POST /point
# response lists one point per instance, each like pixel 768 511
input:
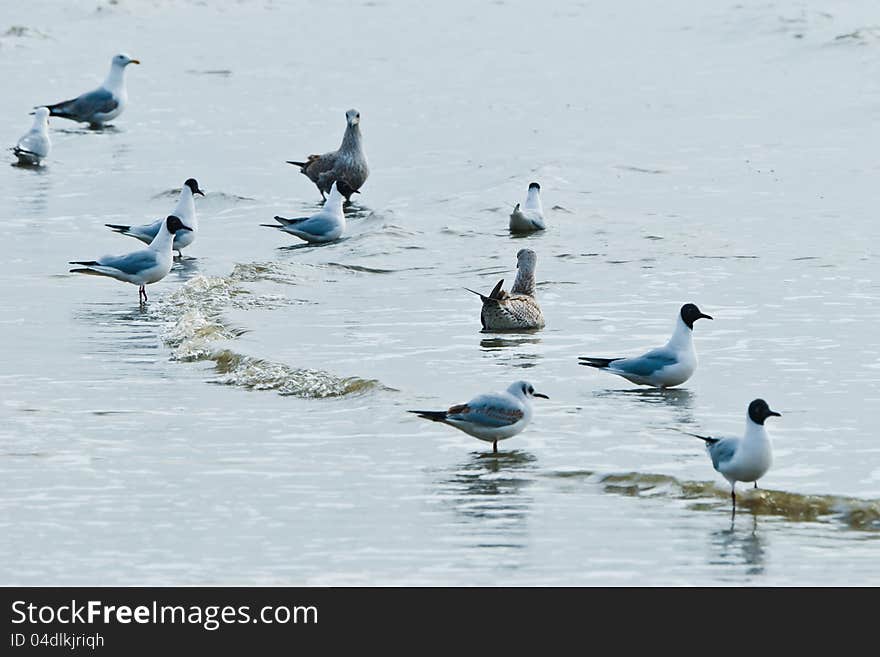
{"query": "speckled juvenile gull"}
pixel 529 217
pixel 325 226
pixel 347 165
pixel 102 104
pixel 664 367
pixel 35 146
pixel 491 417
pixel 517 310
pixel 185 210
pixel 140 267
pixel 747 458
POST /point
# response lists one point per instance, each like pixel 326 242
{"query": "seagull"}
pixel 531 217
pixel 664 367
pixel 747 458
pixel 325 226
pixel 347 165
pixel 517 310
pixel 491 417
pixel 140 267
pixel 185 210
pixel 104 103
pixel 34 147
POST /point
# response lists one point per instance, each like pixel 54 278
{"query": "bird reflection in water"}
pixel 489 497
pixel 740 547
pixel 511 348
pixel 679 400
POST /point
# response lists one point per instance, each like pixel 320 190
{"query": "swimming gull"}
pixel 529 217
pixel 517 310
pixel 35 146
pixel 325 226
pixel 664 367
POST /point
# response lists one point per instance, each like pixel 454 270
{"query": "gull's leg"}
pixel 756 483
pixel 495 447
pixel 733 499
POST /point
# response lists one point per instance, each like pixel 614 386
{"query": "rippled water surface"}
pixel 248 426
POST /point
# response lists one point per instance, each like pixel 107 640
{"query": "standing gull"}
pixel 664 367
pixel 518 310
pixel 347 165
pixel 325 226
pixel 491 417
pixel 185 210
pixel 140 267
pixel 102 104
pixel 530 217
pixel 747 458
pixel 34 147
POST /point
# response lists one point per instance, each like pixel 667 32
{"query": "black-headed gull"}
pixel 140 267
pixel 664 367
pixel 347 165
pixel 747 458
pixel 35 146
pixel 517 310
pixel 185 210
pixel 493 416
pixel 325 226
pixel 530 216
pixel 100 105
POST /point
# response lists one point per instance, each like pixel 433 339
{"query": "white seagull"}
pixel 493 416
pixel 103 104
pixel 140 267
pixel 664 367
pixel 35 146
pixel 185 210
pixel 325 226
pixel 347 165
pixel 531 216
pixel 518 310
pixel 747 458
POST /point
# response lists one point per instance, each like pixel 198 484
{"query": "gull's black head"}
pixel 193 185
pixel 690 314
pixel 174 224
pixel 759 411
pixel 535 186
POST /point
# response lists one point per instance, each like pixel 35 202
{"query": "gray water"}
pixel 249 426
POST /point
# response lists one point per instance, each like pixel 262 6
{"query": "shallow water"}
pixel 249 425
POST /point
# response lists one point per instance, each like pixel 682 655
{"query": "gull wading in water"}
pixel 185 210
pixel 325 226
pixel 529 217
pixel 518 310
pixel 664 367
pixel 35 146
pixel 491 417
pixel 747 458
pixel 347 166
pixel 103 104
pixel 140 267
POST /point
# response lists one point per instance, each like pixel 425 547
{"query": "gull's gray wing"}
pixel 131 263
pixel 646 364
pixel 319 224
pixel 99 101
pixel 33 142
pixel 489 410
pixel 722 450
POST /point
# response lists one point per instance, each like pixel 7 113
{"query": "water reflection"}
pixel 680 400
pixel 505 351
pixel 488 495
pixel 185 268
pixel 35 189
pixel 740 547
pixel 122 332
